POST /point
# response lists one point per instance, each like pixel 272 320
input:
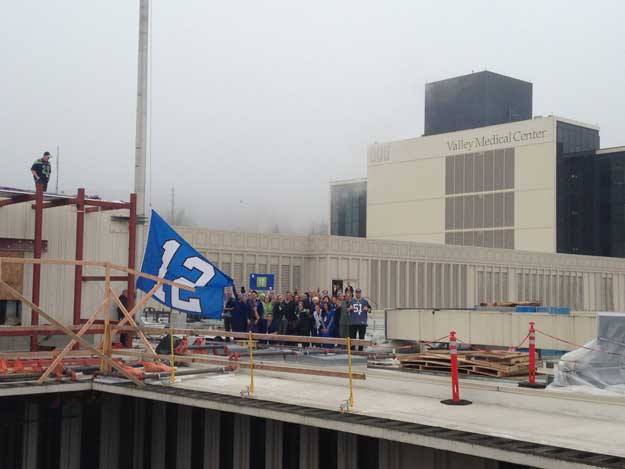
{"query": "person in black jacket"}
pixel 227 313
pixel 279 315
pixel 305 321
pixel 41 170
pixel 291 313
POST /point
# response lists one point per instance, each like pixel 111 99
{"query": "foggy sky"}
pixel 255 106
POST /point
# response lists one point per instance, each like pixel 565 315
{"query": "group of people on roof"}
pixel 313 313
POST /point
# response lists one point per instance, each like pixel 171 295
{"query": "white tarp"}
pixel 600 365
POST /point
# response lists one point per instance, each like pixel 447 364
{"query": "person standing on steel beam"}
pixel 41 170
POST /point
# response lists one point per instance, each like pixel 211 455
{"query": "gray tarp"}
pixel 602 367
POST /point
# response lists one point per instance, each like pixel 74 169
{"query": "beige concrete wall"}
pixel 406 184
pixel 504 329
pixel 392 273
pixel 409 274
pixel 535 197
pixel 405 200
pixel 104 240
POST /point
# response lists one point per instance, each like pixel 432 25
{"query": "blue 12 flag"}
pixel 169 256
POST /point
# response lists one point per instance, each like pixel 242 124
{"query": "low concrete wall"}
pixel 491 327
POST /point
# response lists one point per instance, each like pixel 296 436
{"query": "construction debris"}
pixel 497 364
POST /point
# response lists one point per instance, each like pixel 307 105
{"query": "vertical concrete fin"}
pixel 109 431
pixel 30 435
pixel 308 447
pixel 241 440
pixel 274 431
pixel 138 410
pixel 347 451
pixel 212 428
pixel 71 434
pixel 159 435
pixel 183 443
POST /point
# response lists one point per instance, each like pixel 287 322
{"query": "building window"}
pixel 297 278
pixel 237 274
pixel 285 272
pixel 348 209
pixel 479 203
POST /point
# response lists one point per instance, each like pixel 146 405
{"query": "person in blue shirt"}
pixel 327 316
pixel 241 313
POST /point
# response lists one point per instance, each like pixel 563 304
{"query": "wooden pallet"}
pixel 483 363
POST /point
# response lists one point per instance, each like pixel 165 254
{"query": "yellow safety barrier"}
pixel 172 378
pixel 251 346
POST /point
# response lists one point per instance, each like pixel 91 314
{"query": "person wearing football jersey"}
pixel 358 311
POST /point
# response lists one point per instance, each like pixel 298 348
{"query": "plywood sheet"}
pixel 13 274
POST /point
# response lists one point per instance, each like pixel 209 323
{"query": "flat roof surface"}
pixel 10 192
pixel 584 423
pixel 480 72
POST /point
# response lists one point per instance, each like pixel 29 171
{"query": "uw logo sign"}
pixel 379 153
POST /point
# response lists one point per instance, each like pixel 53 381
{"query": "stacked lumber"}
pixel 497 364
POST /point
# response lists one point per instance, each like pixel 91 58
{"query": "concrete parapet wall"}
pixel 492 328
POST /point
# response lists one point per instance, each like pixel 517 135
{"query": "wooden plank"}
pixel 257 365
pixel 118 267
pixel 107 347
pixel 26 354
pixel 70 333
pixel 70 345
pixel 52 262
pixel 134 310
pixel 483 363
pixel 245 335
pixel 132 322
pixel 46 329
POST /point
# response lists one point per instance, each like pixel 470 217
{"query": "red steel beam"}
pixel 101 209
pixel 80 234
pixel 57 203
pixel 18 199
pixel 21 245
pixel 132 252
pixel 106 204
pixel 34 315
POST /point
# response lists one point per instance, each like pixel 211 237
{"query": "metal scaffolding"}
pixel 84 205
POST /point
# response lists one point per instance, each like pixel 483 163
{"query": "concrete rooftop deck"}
pixel 524 426
pixel 584 423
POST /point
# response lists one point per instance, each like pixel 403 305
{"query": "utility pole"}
pixel 57 169
pixel 141 128
pixel 142 106
pixel 173 213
